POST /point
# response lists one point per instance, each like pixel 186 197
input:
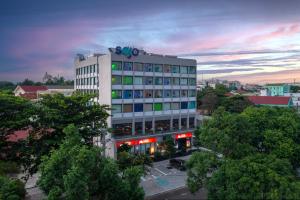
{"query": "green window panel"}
pixel 158 107
pixel 116 66
pixel 116 94
pixel 192 104
pixel 127 80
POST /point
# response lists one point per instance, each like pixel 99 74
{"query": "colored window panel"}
pixel 127 94
pixel 184 69
pixel 148 107
pixel 116 66
pixel 175 106
pixel 116 80
pixel 158 80
pixel 158 107
pixel 167 106
pixel 148 67
pixel 148 80
pixel 116 94
pixel 138 94
pixel 148 94
pixel 167 81
pixel 138 107
pixel 192 104
pixel 127 108
pixel 167 69
pixel 184 105
pixel 127 80
pixel 192 70
pixel 158 68
pixel 138 80
pixel 138 67
pixel 127 66
pixel 175 69
pixel 158 94
pixel 167 93
pixel 116 108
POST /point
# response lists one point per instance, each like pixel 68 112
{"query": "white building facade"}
pixel 152 96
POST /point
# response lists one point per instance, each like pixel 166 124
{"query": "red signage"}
pixel 184 135
pixel 137 142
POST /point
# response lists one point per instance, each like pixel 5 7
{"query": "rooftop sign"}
pixel 127 51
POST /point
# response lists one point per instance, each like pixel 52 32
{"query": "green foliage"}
pixel 8 167
pixel 127 160
pixel 11 189
pixel 236 104
pixel 294 88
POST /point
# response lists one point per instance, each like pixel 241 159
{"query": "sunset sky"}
pixel 255 41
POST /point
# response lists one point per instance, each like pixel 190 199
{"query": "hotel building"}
pixel 152 96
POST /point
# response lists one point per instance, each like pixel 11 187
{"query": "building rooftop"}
pixel 269 100
pixel 33 88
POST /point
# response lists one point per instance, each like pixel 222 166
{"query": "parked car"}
pixel 178 164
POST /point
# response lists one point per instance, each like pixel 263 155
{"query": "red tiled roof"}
pixel 269 100
pixel 33 88
pixel 228 94
pixel 29 96
pixel 18 135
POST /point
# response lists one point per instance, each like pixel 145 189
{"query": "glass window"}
pixel 138 94
pixel 175 124
pixel 87 69
pixel 148 94
pixel 138 107
pixel 138 127
pixel 175 105
pixel 183 81
pixel 192 104
pixel 167 106
pixel 167 81
pixel 116 108
pixel 116 94
pixel 183 69
pixel 158 107
pixel 122 129
pixel 184 105
pixel 94 68
pixel 158 93
pixel 175 81
pixel 167 69
pixel 127 66
pixel 127 94
pixel 175 69
pixel 148 67
pixel 175 93
pixel 148 127
pixel 192 93
pixel 192 81
pixel 138 80
pixel 192 70
pixel 127 108
pixel 191 122
pixel 138 67
pixel 116 80
pixel 184 93
pixel 158 80
pixel 183 123
pixel 167 93
pixel 127 80
pixel 148 107
pixel 116 66
pixel 148 80
pixel 158 67
pixel 162 125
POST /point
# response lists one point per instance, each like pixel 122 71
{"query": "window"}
pixel 167 93
pixel 94 68
pixel 175 81
pixel 127 94
pixel 138 94
pixel 192 93
pixel 116 94
pixel 148 80
pixel 87 69
pixel 183 123
pixel 183 81
pixel 167 81
pixel 192 70
pixel 127 80
pixel 127 108
pixel 158 107
pixel 158 94
pixel 148 94
pixel 127 66
pixel 167 69
pixel 167 106
pixel 175 124
pixel 116 108
pixel 162 125
pixel 148 67
pixel 191 122
pixel 138 107
pixel 192 104
pixel 148 127
pixel 175 69
pixel 184 93
pixel 122 129
pixel 175 106
pixel 138 67
pixel 138 80
pixel 148 107
pixel 158 68
pixel 183 69
pixel 138 127
pixel 184 105
pixel 192 81
pixel 158 80
pixel 116 80
pixel 116 66
pixel 175 93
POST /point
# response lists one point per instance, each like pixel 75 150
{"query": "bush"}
pixel 8 167
pixel 11 189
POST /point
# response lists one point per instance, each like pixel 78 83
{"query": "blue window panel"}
pixel 138 94
pixel 138 107
pixel 127 94
pixel 192 104
pixel 127 66
pixel 184 105
pixel 167 81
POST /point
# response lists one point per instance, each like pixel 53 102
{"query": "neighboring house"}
pixel 279 101
pixel 66 90
pixel 277 89
pixel 295 98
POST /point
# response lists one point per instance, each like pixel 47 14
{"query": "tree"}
pixel 236 104
pixel 11 189
pixel 78 171
pixel 127 160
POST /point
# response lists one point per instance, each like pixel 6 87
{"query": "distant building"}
pixel 66 90
pixel 279 101
pixel 295 98
pixel 277 89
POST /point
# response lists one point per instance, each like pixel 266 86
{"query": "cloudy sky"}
pixel 253 41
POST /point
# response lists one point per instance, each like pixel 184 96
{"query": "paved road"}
pixel 180 194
